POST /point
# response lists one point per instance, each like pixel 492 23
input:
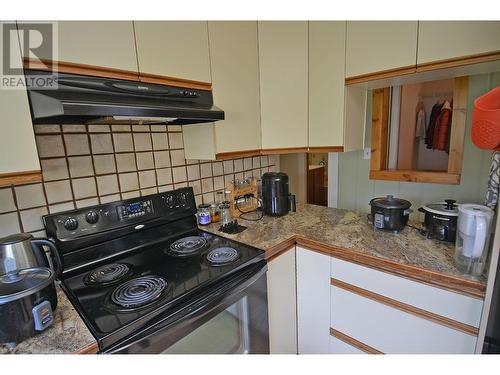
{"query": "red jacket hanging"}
pixel 442 127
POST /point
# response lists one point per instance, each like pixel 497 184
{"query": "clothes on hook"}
pixel 439 128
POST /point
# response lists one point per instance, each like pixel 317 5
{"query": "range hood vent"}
pixel 80 99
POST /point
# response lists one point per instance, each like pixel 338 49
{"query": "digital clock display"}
pixel 134 207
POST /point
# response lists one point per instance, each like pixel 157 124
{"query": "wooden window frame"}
pixel 380 140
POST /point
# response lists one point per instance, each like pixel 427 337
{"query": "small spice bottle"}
pixel 214 213
pixel 204 217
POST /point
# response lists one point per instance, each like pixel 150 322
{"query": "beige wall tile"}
pixel 147 179
pixel 80 166
pixel 123 142
pixel 228 178
pixel 207 184
pixel 164 188
pixel 110 198
pixel 175 140
pixel 144 160
pixel 49 145
pixel 54 169
pixel 247 164
pixel 7 200
pixel 29 196
pixel 9 224
pixel 101 143
pixel 158 128
pixel 217 168
pixel 238 176
pixel 228 166
pixel 87 202
pixel 99 128
pixel 193 172
pixel 160 141
pixel 164 176
pixel 238 165
pixel 32 219
pixel 149 191
pixel 264 161
pixel 162 159
pixel 58 191
pixel 107 184
pixel 142 142
pixel 84 187
pixel 125 162
pixel 219 183
pixel 180 185
pixel 40 129
pixel 198 199
pixel 206 170
pixel 128 181
pixel 104 164
pixel 74 128
pixel 76 144
pixel 208 198
pixel 178 157
pixel 120 128
pixel 61 207
pixel 196 185
pixel 179 174
pixel 131 194
pixel 256 162
pixel 174 128
pixel 140 128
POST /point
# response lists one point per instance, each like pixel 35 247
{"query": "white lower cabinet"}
pixel 340 347
pixel 313 297
pixel 282 299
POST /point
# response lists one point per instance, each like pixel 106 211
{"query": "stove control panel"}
pixel 135 209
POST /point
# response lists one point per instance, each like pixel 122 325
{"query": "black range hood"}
pixel 77 99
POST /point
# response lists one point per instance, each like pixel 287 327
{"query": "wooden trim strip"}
pixel 18 178
pixel 237 154
pixel 447 322
pixel 353 342
pixel 326 149
pixel 99 71
pixel 380 75
pixel 459 61
pixel 280 248
pixel 463 286
pixel 89 349
pixel 286 150
pixel 416 176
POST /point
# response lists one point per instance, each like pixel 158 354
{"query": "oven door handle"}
pixel 184 315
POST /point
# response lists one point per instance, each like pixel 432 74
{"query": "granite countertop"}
pixel 349 235
pixel 68 334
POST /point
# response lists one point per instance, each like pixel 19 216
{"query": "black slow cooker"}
pixel 389 213
pixel 441 220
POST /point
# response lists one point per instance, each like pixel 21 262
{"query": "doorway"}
pixel 317 179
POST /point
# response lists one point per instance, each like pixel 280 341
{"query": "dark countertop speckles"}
pixel 68 334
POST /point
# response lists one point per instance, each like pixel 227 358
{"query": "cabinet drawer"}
pixel 391 330
pixel 340 347
pixel 451 305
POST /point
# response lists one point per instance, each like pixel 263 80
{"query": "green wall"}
pixel 356 189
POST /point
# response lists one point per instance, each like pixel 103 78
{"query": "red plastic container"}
pixel 486 121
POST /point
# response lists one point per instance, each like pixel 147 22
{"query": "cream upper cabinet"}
pixel 283 60
pixel 234 63
pixel 442 40
pixel 326 83
pixel 376 46
pixel 18 153
pixel 176 49
pixel 107 44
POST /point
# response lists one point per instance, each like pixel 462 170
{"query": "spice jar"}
pixel 225 212
pixel 214 213
pixel 204 217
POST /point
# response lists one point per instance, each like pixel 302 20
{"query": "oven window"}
pixel 226 332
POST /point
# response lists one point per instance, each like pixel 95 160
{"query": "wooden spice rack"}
pixel 237 192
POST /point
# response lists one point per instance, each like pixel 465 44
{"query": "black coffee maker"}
pixel 276 199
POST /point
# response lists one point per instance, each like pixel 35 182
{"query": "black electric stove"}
pixel 128 265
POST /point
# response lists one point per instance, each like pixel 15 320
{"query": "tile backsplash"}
pixel 84 165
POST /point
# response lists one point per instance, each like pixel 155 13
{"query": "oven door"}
pixel 229 318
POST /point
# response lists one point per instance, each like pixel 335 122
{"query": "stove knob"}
pixel 170 201
pixel 71 224
pixel 182 199
pixel 92 217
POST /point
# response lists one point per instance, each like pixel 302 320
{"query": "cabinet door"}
pixel 107 44
pixel 326 83
pixel 282 299
pixel 174 49
pixel 234 62
pixel 313 298
pixel 283 59
pixel 376 46
pixel 18 153
pixel 441 40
